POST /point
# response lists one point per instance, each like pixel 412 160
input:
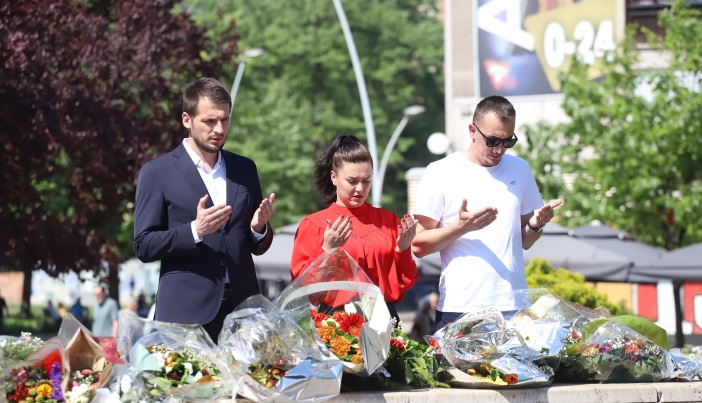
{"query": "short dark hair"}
pixel 344 148
pixel 201 88
pixel 495 105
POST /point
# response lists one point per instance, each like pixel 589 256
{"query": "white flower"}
pixel 160 359
pixel 125 383
pixel 79 394
pixel 188 367
pixel 194 378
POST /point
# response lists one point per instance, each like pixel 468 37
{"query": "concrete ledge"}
pixel 566 393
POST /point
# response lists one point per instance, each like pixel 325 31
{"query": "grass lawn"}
pixel 36 324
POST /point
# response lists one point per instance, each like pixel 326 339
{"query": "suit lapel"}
pixel 186 167
pixel 232 183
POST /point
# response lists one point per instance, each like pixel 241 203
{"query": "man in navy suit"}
pixel 200 211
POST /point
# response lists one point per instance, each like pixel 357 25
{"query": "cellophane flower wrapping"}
pixel 480 343
pixel 90 359
pixel 686 365
pixel 614 353
pixel 276 358
pixel 521 350
pixel 168 362
pixel 336 302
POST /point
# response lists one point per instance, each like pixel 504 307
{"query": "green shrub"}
pixel 568 285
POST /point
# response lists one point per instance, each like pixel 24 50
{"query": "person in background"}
pixel 424 321
pixel 142 308
pixel 105 313
pixel 131 306
pixel 199 210
pixel 52 316
pixel 375 238
pixel 480 208
pixel 79 311
pixel 61 309
pixel 4 311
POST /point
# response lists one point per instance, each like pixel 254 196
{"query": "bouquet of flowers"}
pixel 274 357
pixel 481 344
pixel 412 363
pixel 686 366
pixel 81 384
pixel 88 363
pixel 610 351
pixel 17 349
pixel 340 333
pixel 336 288
pixel 42 377
pixel 168 361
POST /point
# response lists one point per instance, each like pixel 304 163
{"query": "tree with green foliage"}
pixel 302 92
pixel 90 90
pixel 633 138
pixel 567 285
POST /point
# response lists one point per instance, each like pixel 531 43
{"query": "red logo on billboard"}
pixel 498 73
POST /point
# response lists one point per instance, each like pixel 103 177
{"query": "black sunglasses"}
pixel 495 141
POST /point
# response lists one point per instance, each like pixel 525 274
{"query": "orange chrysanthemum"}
pixel 340 346
pixel 326 333
pixel 357 358
pixel 511 379
pixel 351 324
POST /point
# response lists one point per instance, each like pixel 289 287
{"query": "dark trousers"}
pixel 444 318
pixel 393 313
pixel 214 327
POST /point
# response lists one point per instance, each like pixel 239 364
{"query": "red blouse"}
pixel 371 245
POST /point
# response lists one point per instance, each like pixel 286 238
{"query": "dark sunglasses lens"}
pixel 492 141
pixel 511 142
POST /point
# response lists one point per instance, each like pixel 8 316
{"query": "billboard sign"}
pixel 522 45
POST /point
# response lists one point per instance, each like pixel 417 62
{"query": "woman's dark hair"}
pixel 201 88
pixel 345 148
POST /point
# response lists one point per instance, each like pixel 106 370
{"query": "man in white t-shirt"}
pixel 480 208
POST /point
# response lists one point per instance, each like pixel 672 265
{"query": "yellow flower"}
pixel 44 390
pixel 340 346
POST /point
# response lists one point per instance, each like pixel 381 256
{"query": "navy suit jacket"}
pixel 191 282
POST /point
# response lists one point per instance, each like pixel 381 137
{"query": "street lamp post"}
pixel 248 54
pixel 362 92
pixel 408 112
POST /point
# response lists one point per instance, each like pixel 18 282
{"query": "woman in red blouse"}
pixel 374 237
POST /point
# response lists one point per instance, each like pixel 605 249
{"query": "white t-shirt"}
pixel 483 264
